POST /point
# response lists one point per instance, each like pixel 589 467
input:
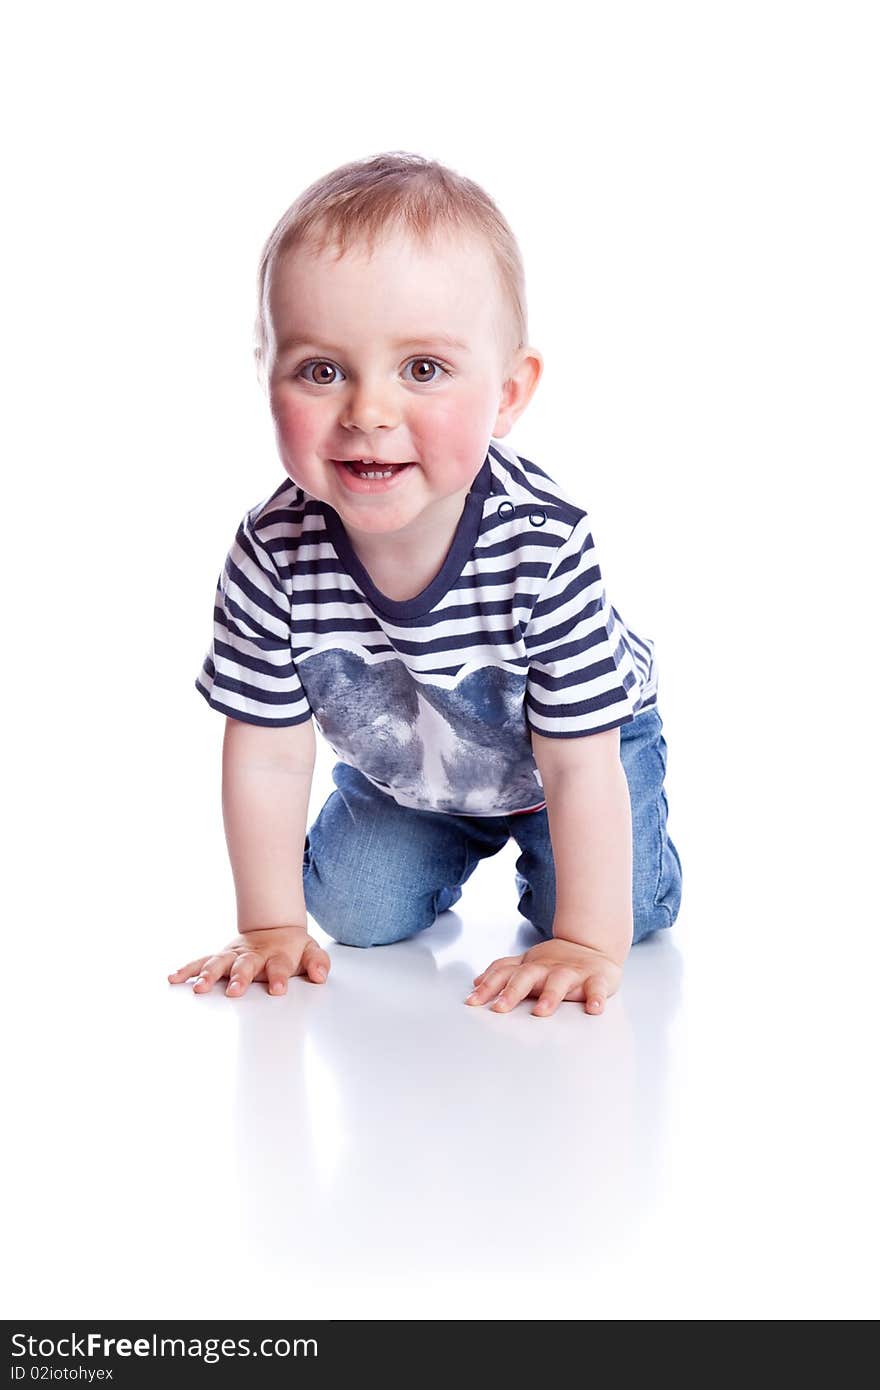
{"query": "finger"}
pixel 213 968
pixel 556 986
pixel 315 963
pixel 279 969
pixel 494 979
pixel 595 994
pixel 242 973
pixel 521 982
pixel 186 971
pixel 502 960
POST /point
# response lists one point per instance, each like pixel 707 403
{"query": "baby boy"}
pixel 433 601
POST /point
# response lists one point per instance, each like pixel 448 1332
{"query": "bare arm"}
pixel 590 820
pixel 267 778
pixel 591 834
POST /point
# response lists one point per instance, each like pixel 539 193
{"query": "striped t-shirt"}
pixel 432 698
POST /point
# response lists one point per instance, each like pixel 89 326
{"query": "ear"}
pixel 520 386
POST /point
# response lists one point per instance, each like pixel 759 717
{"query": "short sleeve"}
pixel 249 672
pixel 583 677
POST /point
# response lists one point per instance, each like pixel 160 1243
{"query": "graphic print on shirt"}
pixel 451 749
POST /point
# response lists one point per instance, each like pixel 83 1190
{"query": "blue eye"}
pixel 306 368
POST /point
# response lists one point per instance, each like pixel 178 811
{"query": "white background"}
pixel 694 189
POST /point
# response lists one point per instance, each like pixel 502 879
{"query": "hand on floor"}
pixel 553 970
pixel 272 954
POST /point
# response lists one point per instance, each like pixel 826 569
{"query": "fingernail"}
pixel 321 972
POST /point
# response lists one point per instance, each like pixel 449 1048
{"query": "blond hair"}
pixel 357 202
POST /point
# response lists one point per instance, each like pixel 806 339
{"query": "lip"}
pixel 368 485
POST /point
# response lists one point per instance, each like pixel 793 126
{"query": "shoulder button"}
pixel 506 509
pixel 537 517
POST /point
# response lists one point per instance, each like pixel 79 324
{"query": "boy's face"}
pixel 357 369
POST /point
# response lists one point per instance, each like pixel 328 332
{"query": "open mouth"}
pixel 369 468
pixel 370 475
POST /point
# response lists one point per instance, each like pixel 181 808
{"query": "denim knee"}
pixel 537 904
pixel 369 922
pixel 660 909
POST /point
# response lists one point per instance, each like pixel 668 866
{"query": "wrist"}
pixel 247 929
pixel 616 944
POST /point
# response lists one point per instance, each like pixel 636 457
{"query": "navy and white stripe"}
pixel 432 698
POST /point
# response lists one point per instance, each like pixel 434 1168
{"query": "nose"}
pixel 369 406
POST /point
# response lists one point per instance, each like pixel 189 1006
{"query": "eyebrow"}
pixel 425 339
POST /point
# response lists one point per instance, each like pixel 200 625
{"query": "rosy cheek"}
pixel 298 427
pixel 290 416
pixel 460 423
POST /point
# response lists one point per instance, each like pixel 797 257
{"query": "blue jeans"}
pixel 375 872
